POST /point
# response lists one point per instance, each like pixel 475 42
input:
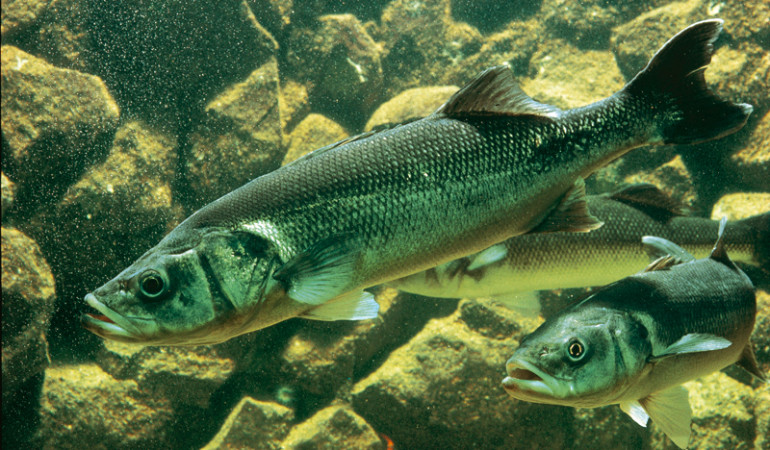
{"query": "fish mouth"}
pixel 526 381
pixel 109 324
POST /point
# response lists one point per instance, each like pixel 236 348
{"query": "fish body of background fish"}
pixel 637 340
pixel 570 260
pixel 489 164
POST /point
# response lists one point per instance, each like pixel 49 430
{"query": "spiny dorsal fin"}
pixel 719 253
pixel 494 91
pixel 571 214
pixel 748 362
pixel 650 200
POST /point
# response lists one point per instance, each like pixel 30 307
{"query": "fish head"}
pixel 195 287
pixel 583 358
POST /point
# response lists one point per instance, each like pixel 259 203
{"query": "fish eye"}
pixel 576 350
pixel 151 285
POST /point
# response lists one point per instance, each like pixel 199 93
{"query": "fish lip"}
pixel 118 327
pixel 544 385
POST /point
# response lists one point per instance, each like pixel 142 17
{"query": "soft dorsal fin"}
pixel 650 200
pixel 719 253
pixel 494 91
pixel 748 362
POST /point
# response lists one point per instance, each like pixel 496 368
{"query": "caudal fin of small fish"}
pixel 673 83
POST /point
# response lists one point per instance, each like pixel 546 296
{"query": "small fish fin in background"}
pixel 664 253
pixel 494 91
pixel 670 411
pixel 674 76
pixel 318 274
pixel 571 214
pixel 650 200
pixel 525 303
pixel 748 362
pixel 491 255
pixel 693 343
pixel 719 253
pixel 357 305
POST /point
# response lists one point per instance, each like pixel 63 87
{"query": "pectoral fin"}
pixel 670 411
pixel 693 343
pixel 320 273
pixel 357 305
pixel 525 303
pixel 571 214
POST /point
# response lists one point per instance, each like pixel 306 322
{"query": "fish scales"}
pixel 491 163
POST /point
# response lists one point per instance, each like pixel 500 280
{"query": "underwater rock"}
pixel 586 24
pixel 183 375
pixel 333 427
pixel 568 77
pixel 741 205
pixel 9 190
pixel 514 46
pixel 117 208
pixel 637 40
pixel 293 104
pixel 81 405
pixel 323 358
pixel 673 178
pixel 761 339
pixel 342 64
pixel 165 60
pixel 762 413
pixel 55 122
pixel 751 164
pixel 315 131
pixel 443 387
pixel 411 104
pixel 742 73
pixel 423 43
pixel 253 424
pixel 28 302
pixel 239 139
pixel 745 21
pixel 275 15
pixel 19 15
pixel 63 36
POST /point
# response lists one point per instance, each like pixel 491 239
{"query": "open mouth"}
pixel 109 324
pixel 524 379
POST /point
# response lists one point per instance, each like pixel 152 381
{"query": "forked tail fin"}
pixel 674 86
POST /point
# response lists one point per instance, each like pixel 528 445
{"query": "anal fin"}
pixel 571 214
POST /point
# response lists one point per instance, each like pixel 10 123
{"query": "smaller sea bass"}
pixel 513 270
pixel 634 342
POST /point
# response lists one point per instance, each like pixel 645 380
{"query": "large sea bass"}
pixel 513 270
pixel 489 164
pixel 634 342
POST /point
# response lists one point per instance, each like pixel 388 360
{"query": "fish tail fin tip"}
pixel 674 78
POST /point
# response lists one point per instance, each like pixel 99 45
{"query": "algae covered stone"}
pixel 253 424
pixel 28 296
